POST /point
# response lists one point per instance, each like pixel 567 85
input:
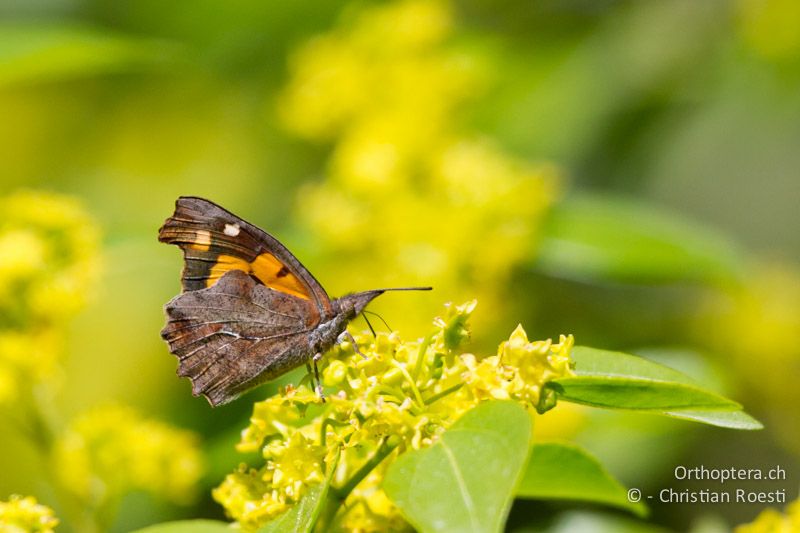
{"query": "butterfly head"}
pixel 351 305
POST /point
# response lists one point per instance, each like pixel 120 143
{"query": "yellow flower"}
pixel 113 449
pixel 46 234
pixel 294 464
pixel 369 510
pixel 23 252
pixel 772 521
pixel 48 259
pixel 371 63
pixel 25 515
pixel 520 369
pixel 30 354
pixel 249 499
pixel 397 396
pixel 415 197
pixel 409 25
pixel 275 416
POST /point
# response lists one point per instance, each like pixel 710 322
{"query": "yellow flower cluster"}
pixel 759 320
pixel 520 368
pixel 370 510
pixel 398 395
pixel 48 263
pixel 112 449
pixel 413 196
pixel 26 515
pixel 764 313
pixel 772 521
pixel 365 77
pixel 48 246
pixel 48 259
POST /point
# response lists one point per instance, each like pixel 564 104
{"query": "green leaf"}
pixel 613 379
pixel 638 393
pixel 466 481
pixel 615 239
pixel 595 362
pixel 617 380
pixel 566 472
pixel 33 52
pixel 188 526
pixel 302 516
pixel 725 419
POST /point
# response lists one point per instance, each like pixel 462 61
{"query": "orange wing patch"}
pixel 266 268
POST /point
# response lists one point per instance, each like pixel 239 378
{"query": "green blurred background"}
pixel 647 161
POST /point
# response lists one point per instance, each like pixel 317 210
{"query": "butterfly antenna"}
pixel 407 289
pixel 363 313
pixel 382 320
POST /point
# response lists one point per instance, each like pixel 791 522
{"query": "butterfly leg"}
pixel 346 336
pixel 318 387
pixel 368 324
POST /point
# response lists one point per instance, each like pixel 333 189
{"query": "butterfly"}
pixel 249 311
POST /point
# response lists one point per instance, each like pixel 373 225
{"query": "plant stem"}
pixel 323 516
pixel 423 349
pixel 323 432
pixel 440 395
pixel 384 449
pixel 414 389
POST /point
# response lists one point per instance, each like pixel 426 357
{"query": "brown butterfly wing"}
pixel 235 334
pixel 215 241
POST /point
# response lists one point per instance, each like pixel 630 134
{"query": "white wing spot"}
pixel 232 230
